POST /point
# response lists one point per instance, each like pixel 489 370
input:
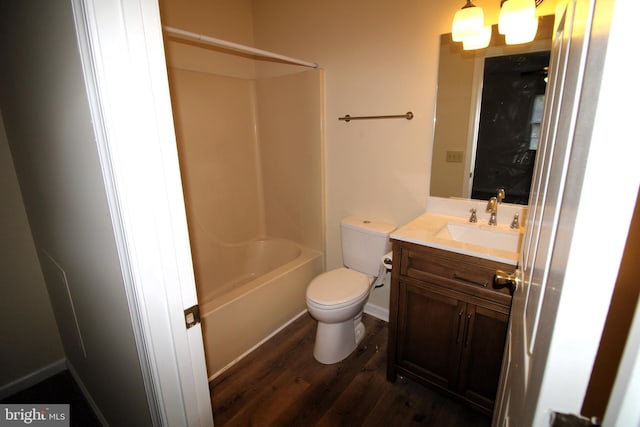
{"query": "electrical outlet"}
pixel 455 156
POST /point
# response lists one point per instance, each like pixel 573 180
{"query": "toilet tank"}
pixel 364 242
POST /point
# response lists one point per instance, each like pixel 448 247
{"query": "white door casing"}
pixel 122 52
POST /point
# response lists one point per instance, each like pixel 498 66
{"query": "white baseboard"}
pixel 33 378
pixel 377 311
pixel 87 395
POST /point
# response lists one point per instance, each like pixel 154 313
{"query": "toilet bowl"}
pixel 336 300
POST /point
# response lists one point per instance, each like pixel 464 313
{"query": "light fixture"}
pixel 518 21
pixel 468 22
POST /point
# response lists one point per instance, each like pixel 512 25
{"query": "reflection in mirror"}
pixel 508 129
pixel 488 112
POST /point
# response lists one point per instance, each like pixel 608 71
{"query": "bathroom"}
pixel 377 58
pixel 370 64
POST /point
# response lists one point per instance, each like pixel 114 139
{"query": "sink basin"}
pixel 481 235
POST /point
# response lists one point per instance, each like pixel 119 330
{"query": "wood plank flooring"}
pixel 281 384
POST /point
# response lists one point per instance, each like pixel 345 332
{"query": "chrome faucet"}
pixel 473 217
pixel 515 224
pixel 492 208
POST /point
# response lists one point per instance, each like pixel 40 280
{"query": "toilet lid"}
pixel 338 286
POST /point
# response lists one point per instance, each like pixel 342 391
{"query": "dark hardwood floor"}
pixel 281 384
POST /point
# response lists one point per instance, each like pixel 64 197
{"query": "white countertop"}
pixel 423 231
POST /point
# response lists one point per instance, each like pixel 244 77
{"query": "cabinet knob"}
pixel 503 279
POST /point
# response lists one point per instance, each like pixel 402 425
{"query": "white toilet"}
pixel 336 298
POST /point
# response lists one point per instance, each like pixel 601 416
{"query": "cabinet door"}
pixel 430 325
pixel 482 352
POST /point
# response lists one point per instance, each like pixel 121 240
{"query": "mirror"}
pixel 488 110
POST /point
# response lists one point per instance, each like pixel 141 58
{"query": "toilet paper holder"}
pixel 387 260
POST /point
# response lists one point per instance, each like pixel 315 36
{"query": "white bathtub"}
pixel 262 289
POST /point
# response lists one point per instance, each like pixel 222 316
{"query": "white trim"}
pixel 376 311
pixel 87 52
pixel 125 71
pixel 33 378
pixel 85 392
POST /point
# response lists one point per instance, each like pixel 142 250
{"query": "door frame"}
pixel 122 53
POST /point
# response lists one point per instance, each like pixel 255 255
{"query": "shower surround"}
pixel 250 142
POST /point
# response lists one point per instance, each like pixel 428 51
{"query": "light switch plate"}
pixel 455 156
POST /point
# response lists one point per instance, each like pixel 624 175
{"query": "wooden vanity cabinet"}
pixel 447 324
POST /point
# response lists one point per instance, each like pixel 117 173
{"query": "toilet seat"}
pixel 337 288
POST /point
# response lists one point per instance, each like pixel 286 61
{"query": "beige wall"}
pixel 379 57
pixel 228 19
pixel 28 330
pixel 231 20
pixel 454 100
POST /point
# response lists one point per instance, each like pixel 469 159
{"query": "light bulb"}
pixel 479 41
pixel 518 21
pixel 467 22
